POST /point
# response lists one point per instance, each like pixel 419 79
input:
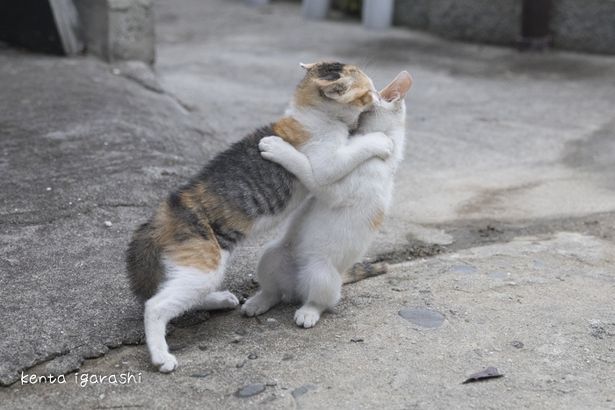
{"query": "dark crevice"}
pixel 473 233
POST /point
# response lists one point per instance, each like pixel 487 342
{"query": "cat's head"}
pixel 340 90
pixel 389 109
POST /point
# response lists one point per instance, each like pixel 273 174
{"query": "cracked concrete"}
pixel 503 222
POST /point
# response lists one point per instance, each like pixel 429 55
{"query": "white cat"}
pixel 332 229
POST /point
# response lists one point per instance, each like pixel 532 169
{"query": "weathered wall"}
pixel 582 25
pixel 587 25
pixel 118 29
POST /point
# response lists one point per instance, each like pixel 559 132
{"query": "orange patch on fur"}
pixel 195 253
pixel 178 240
pixel 376 220
pixel 291 131
pixel 364 100
pixel 306 95
pixel 355 83
pixel 218 209
pixel 164 226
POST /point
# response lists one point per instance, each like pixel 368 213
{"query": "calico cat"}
pixel 176 260
pixel 332 229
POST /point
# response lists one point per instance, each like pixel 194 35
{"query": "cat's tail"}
pixel 143 262
pixel 363 270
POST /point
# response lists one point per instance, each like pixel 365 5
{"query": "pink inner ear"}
pixel 398 87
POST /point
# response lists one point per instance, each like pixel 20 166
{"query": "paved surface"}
pixel 502 229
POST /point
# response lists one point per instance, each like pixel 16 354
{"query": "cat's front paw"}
pixel 307 316
pixel 384 147
pixel 258 304
pixel 272 147
pixel 165 361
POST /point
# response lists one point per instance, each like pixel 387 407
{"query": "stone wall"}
pixel 118 29
pixel 581 25
pixel 587 25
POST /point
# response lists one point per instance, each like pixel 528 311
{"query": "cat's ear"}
pixel 306 66
pixel 334 89
pixel 398 88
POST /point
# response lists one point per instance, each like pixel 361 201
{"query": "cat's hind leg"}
pixel 319 286
pixel 273 274
pixel 185 288
pixel 220 300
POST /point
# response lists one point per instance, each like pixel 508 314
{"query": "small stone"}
pixel 287 356
pixel 201 375
pixel 252 356
pixel 203 348
pixel 301 390
pixel 48 188
pixel 517 344
pixel 357 339
pixel 173 347
pixel 272 383
pixel 250 390
pixel 423 317
pixel 271 320
pixel 116 71
pixel 240 364
pixel 108 224
pixel 237 339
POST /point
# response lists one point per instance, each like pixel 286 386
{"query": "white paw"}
pixel 165 361
pixel 386 148
pixel 272 147
pixel 256 305
pixel 226 300
pixel 307 317
pixel 220 300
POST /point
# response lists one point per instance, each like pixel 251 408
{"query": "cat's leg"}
pixel 185 288
pixel 273 278
pixel 277 150
pixel 220 300
pixel 328 167
pixel 320 287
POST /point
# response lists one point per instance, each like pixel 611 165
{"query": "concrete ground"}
pixel 500 241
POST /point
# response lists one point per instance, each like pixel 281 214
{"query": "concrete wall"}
pixel 487 21
pixel 587 25
pixel 582 25
pixel 118 29
pixel 412 13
